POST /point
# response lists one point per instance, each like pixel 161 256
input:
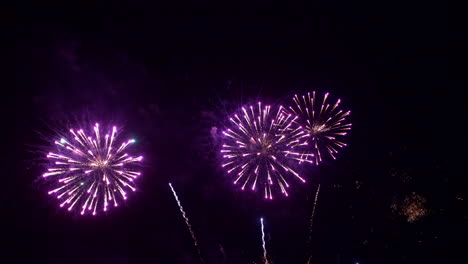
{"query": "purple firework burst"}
pixel 262 146
pixel 325 122
pixel 92 171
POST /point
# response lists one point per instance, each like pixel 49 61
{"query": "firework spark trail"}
pixel 261 146
pixel 195 241
pixel 313 213
pixel 326 123
pixel 312 223
pixel 92 172
pixel 263 242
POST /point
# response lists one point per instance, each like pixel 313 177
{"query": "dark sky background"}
pixel 171 73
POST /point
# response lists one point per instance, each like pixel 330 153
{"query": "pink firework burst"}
pixel 262 146
pixel 91 172
pixel 325 122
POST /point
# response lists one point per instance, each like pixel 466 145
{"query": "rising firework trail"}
pixel 312 224
pixel 312 215
pixel 326 123
pixel 263 242
pixel 262 146
pixel 92 171
pixel 195 241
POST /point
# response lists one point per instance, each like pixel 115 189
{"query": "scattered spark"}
pixel 92 172
pixel 414 207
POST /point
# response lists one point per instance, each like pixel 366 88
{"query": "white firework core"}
pixel 92 172
pixel 262 146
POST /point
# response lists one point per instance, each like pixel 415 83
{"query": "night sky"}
pixel 170 74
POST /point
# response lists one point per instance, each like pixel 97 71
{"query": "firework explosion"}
pixel 324 122
pixel 261 147
pixel 414 207
pixel 92 172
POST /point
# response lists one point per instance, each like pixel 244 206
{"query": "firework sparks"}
pixel 263 242
pixel 312 224
pixel 313 212
pixel 326 123
pixel 414 207
pixel 261 147
pixel 92 172
pixel 195 241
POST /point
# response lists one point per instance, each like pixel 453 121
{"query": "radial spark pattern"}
pixel 262 146
pixel 92 172
pixel 325 122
